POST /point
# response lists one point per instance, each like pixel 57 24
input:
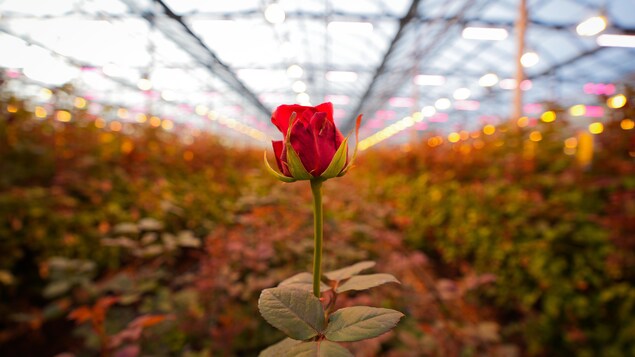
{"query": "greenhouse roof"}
pixel 224 65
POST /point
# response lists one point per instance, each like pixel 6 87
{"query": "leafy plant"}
pixel 312 328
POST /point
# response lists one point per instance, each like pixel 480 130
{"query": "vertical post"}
pixel 521 27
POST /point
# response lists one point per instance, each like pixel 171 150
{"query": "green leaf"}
pixel 303 281
pixel 275 173
pixel 358 123
pixel 349 271
pixel 363 282
pixel 338 162
pixel 280 348
pixel 360 322
pixel 318 349
pixel 297 313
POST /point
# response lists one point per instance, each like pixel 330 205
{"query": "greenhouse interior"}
pixel 440 178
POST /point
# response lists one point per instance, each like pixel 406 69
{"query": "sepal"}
pixel 338 162
pixel 358 123
pixel 275 173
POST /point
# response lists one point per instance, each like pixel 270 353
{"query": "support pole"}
pixel 521 28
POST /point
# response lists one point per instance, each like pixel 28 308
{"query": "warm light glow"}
pixel 144 84
pixel 428 111
pixel 548 116
pixel 167 124
pixel 478 144
pixel 535 136
pixel 141 118
pixel 488 80
pixel 484 33
pixel 80 103
pixel 46 93
pixel 350 27
pixel 596 128
pixel 122 113
pixel 522 122
pixel 529 59
pixel 155 121
pixel 442 103
pixel 127 147
pixel 341 76
pixel 616 101
pixel 569 151
pixel 489 129
pixel 295 71
pixel 12 108
pixel 100 123
pixel 212 115
pixel 577 110
pixel 303 98
pixel 464 134
pixel 627 124
pixel 298 86
pixel 616 41
pixel 115 126
pixel 40 112
pixel 571 142
pixel 417 117
pixel 435 141
pixel 429 80
pixel 274 13
pixel 201 109
pixel 63 116
pixel 591 26
pixel 454 137
pixel 462 94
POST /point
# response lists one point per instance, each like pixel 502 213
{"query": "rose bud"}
pixel 312 147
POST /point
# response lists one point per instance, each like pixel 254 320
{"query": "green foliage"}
pixel 360 322
pixel 345 273
pixel 293 309
pixel 363 282
pixel 303 281
pixel 295 312
pixel 318 349
pixel 499 253
pixel 539 223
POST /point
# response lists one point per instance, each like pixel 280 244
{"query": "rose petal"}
pixel 303 142
pixel 326 108
pixel 277 150
pixel 281 115
pixel 328 139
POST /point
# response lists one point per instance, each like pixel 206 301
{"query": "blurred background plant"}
pixel 133 241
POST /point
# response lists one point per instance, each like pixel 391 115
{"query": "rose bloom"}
pixel 313 136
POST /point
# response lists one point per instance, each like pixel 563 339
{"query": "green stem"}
pixel 316 189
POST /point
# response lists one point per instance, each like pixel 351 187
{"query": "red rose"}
pixel 313 140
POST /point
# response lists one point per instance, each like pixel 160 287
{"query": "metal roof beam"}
pixel 199 51
pixel 403 22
